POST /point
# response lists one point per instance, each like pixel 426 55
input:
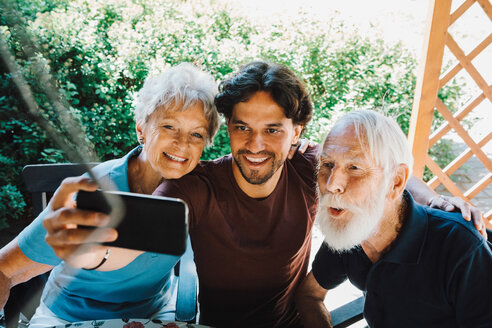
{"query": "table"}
pixel 131 323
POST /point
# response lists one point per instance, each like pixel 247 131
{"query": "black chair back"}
pixel 41 181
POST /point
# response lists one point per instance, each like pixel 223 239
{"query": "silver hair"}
pixel 381 137
pixel 184 84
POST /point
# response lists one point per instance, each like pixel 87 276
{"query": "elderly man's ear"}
pixel 399 182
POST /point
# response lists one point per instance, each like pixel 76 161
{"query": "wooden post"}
pixel 428 82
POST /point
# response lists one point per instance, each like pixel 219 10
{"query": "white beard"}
pixel 345 233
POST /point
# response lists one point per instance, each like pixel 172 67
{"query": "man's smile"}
pixel 256 160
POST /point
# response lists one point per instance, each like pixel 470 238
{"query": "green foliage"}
pixel 100 52
pixel 220 146
pixel 12 204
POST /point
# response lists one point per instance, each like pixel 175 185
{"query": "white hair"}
pixel 381 137
pixel 183 84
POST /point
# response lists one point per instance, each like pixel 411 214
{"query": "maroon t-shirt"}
pixel 251 254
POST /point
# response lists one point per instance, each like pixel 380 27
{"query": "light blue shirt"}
pixel 137 290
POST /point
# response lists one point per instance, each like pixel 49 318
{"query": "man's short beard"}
pixel 254 177
pixel 344 235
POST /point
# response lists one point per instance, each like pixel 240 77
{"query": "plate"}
pixel 131 323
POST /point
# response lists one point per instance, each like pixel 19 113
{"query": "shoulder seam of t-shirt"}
pixel 465 257
pixel 460 221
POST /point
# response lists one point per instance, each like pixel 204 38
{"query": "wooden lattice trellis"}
pixel 429 82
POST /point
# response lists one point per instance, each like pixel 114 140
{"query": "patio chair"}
pixel 42 180
pixel 348 314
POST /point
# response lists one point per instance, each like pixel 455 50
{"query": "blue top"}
pixel 137 290
pixel 436 273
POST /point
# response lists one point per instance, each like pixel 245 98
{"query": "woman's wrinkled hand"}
pixel 78 247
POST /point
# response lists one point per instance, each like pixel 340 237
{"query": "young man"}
pixel 251 212
pixel 418 267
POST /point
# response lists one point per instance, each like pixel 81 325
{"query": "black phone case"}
pixel 149 223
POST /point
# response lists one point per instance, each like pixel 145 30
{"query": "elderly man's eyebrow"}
pixel 348 152
pixel 351 155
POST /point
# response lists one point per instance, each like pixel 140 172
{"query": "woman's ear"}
pixel 140 133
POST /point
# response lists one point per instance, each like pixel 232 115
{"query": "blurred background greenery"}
pixel 100 52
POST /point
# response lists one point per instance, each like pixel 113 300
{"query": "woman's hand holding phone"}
pixel 77 246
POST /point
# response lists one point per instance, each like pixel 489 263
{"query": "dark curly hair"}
pixel 284 86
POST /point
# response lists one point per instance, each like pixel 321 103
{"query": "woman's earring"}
pixel 141 140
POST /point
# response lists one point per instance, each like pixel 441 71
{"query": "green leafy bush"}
pixel 100 52
pixel 11 204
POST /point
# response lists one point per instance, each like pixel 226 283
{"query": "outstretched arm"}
pixel 423 194
pixel 15 268
pixel 309 301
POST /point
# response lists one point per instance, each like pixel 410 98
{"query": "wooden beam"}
pixel 453 71
pixel 428 82
pixel 459 161
pixel 449 75
pixel 444 111
pixel 488 218
pixel 479 186
pixel 481 46
pixel 445 180
pixel 445 127
pixel 460 11
pixel 468 66
pixel 486 6
pixel 466 155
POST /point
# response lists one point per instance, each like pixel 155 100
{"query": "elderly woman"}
pixel 175 119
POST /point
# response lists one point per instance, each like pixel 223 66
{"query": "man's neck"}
pixel 386 232
pixel 256 190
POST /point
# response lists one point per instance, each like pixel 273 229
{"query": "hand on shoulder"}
pixel 468 211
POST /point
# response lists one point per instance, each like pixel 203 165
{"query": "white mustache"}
pixel 336 201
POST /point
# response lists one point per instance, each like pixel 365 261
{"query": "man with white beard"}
pixel 417 266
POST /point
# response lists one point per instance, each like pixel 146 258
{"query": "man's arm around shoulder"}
pixel 309 301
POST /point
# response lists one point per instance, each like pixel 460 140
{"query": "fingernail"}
pixel 112 235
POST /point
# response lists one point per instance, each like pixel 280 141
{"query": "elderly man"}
pixel 418 267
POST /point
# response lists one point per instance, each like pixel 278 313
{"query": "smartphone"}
pixel 147 223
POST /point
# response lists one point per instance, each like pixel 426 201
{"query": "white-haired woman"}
pixel 175 119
